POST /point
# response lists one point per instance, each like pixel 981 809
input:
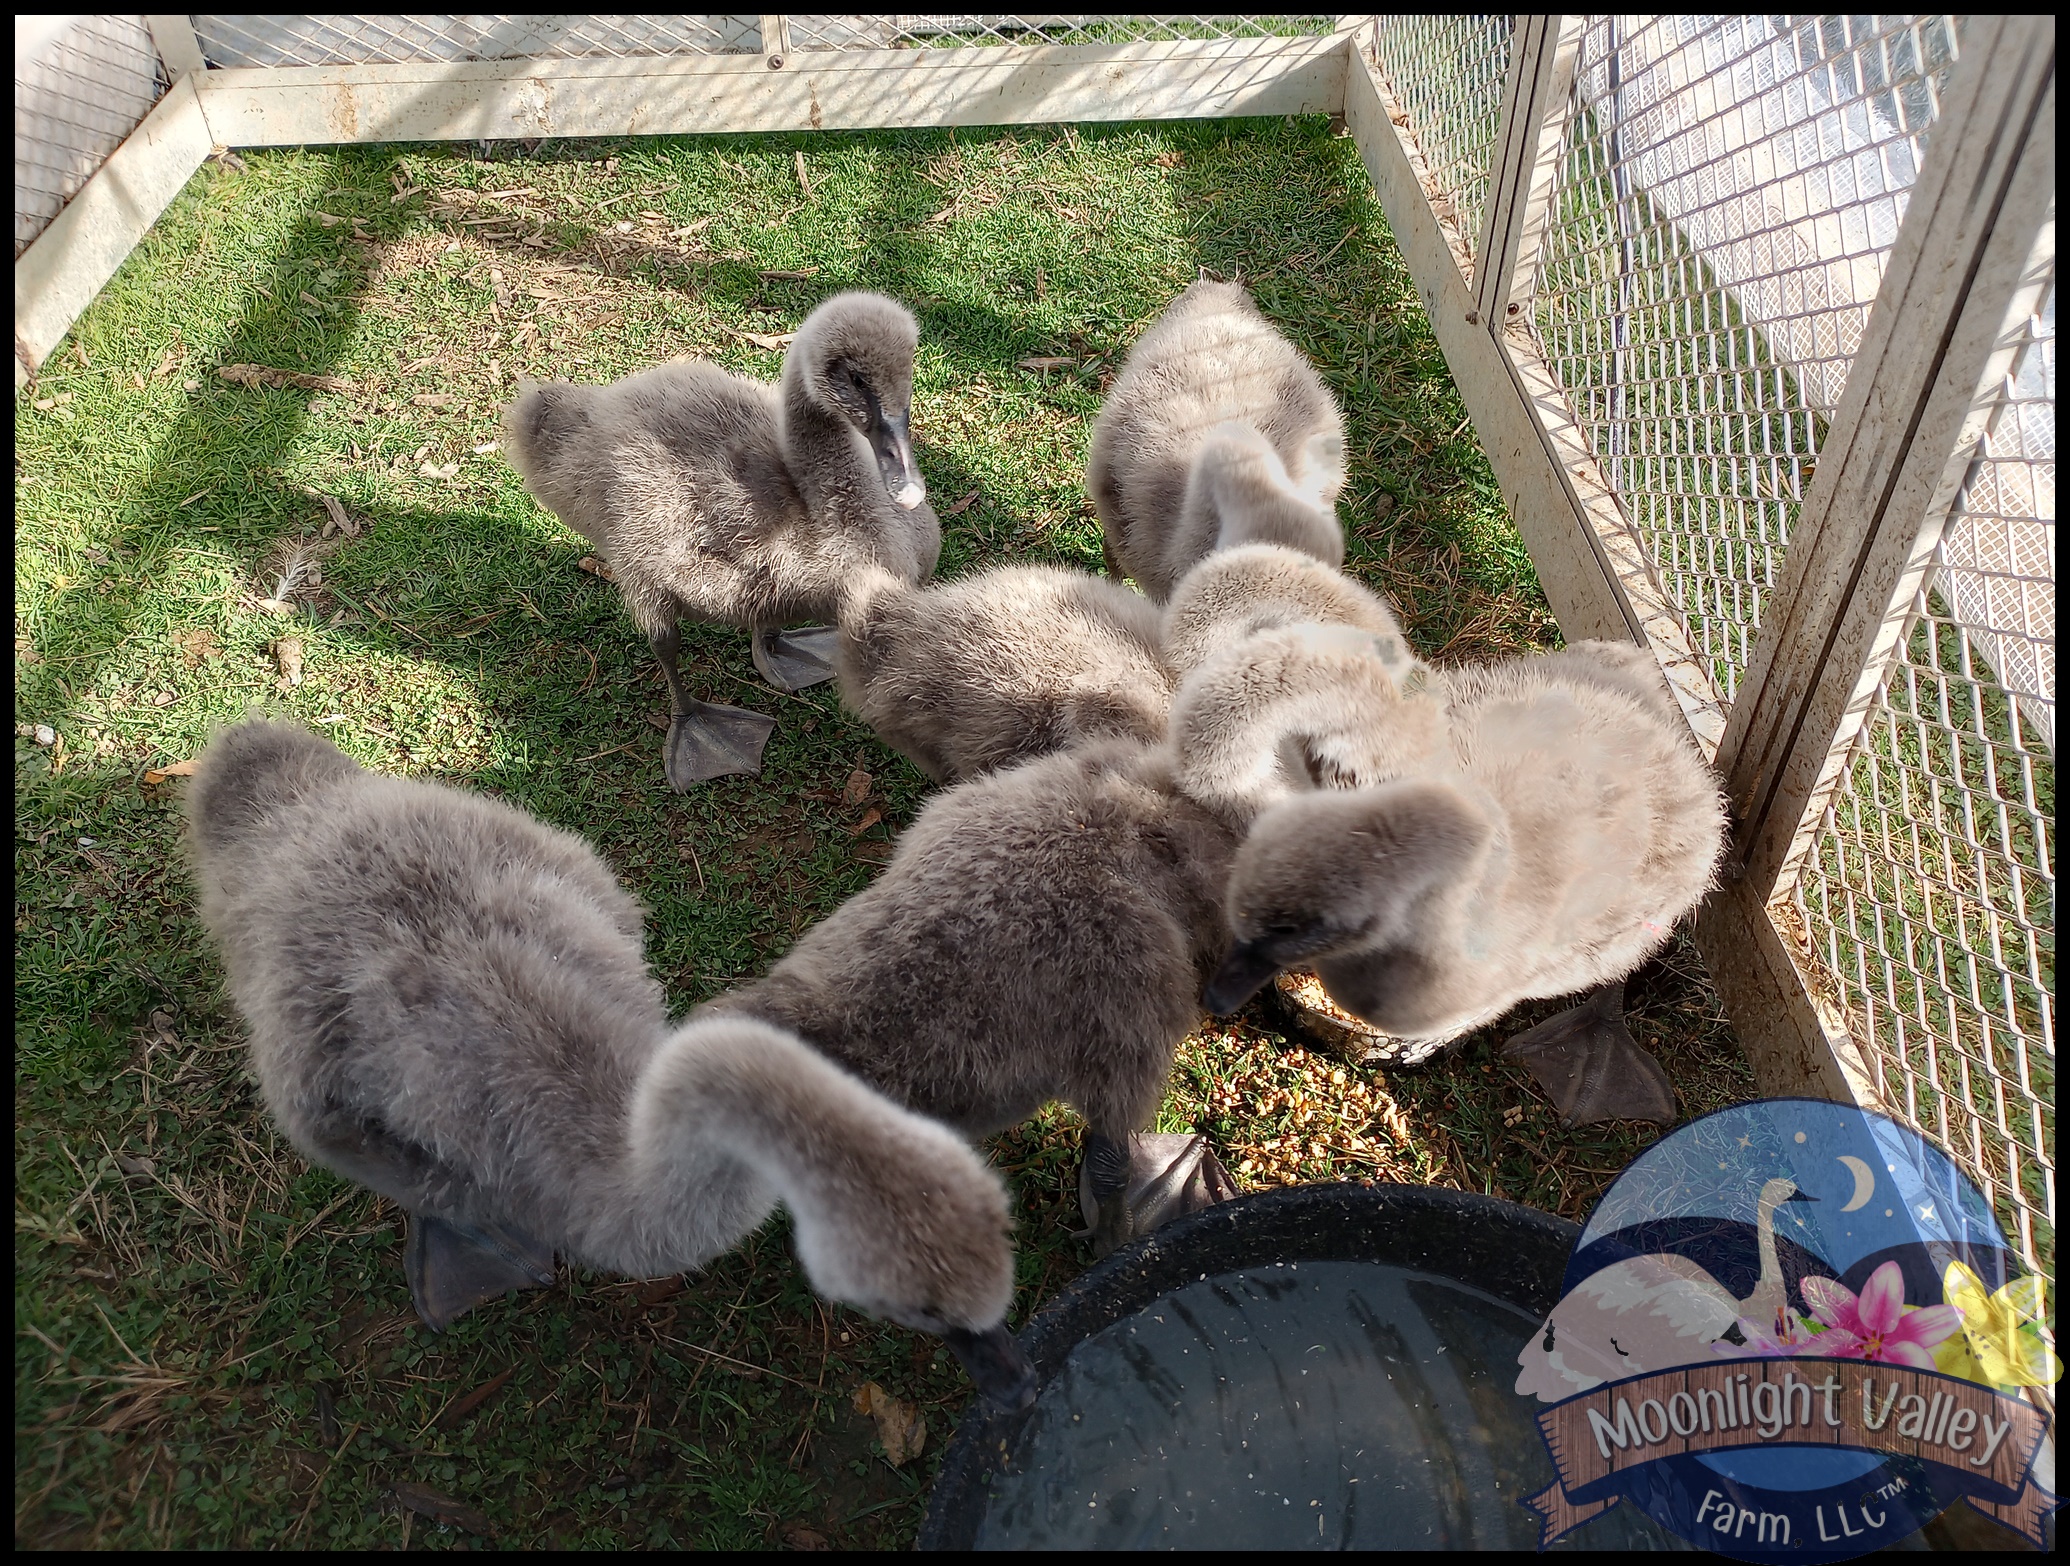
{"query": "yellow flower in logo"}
pixel 2001 1341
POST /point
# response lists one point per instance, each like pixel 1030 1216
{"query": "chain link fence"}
pixel 1729 192
pixel 229 41
pixel 1929 893
pixel 234 41
pixel 78 93
pixel 1447 73
pixel 1727 196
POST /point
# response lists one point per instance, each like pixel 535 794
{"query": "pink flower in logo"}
pixel 1877 1319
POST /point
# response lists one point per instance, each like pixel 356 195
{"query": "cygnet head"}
pixel 1300 707
pixel 1250 498
pixel 892 1212
pixel 1339 872
pixel 853 357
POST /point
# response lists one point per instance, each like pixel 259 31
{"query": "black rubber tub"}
pixel 1007 1482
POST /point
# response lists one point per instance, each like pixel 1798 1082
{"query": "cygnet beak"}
pixel 892 440
pixel 1243 973
pixel 1005 1377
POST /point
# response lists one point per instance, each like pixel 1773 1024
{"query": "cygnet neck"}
pixel 829 460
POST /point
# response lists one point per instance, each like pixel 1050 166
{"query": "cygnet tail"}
pixel 252 770
pixel 539 424
pixel 894 1212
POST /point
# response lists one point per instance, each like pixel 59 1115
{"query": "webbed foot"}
pixel 1168 1175
pixel 1592 1068
pixel 792 660
pixel 453 1267
pixel 714 742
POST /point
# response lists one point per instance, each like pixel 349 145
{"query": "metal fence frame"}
pixel 1933 354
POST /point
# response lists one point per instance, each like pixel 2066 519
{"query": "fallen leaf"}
pixel 857 788
pixel 1049 363
pixel 196 646
pixel 959 507
pixel 796 1536
pixel 790 277
pixel 135 1166
pixel 162 1027
pixel 452 1417
pixel 266 375
pixel 427 1502
pixel 596 567
pixel 1168 159
pixel 336 518
pixel 658 719
pixel 766 340
pixel 943 215
pixel 179 769
pixel 276 606
pixel 870 818
pixel 433 399
pixel 287 652
pixel 444 470
pixel 899 1425
pixel 661 1289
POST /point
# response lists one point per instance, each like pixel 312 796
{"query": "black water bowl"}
pixel 1328 1366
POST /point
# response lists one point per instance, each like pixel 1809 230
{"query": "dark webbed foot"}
pixel 714 742
pixel 1168 1175
pixel 1592 1068
pixel 792 660
pixel 453 1267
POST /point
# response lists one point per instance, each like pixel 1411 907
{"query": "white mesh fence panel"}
pixel 76 97
pixel 358 40
pixel 1447 74
pixel 1729 192
pixel 228 41
pixel 1929 893
pixel 944 32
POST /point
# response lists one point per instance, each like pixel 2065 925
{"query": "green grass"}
pixel 213 1341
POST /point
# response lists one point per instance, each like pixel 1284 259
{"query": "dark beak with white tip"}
pixel 891 438
pixel 1243 973
pixel 1005 1377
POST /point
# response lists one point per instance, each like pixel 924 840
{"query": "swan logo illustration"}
pixel 1793 1331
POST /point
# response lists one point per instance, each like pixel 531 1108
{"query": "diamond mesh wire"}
pixel 1729 191
pixel 367 40
pixel 1447 73
pixel 959 32
pixel 74 103
pixel 1929 893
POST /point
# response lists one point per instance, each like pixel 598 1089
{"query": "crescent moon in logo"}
pixel 1864 1182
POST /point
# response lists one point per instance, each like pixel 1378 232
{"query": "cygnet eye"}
pixel 855 378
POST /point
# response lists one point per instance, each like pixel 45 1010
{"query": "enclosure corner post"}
pixel 1580 583
pixel 1891 463
pixel 1527 157
pixel 177 45
pixel 58 276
